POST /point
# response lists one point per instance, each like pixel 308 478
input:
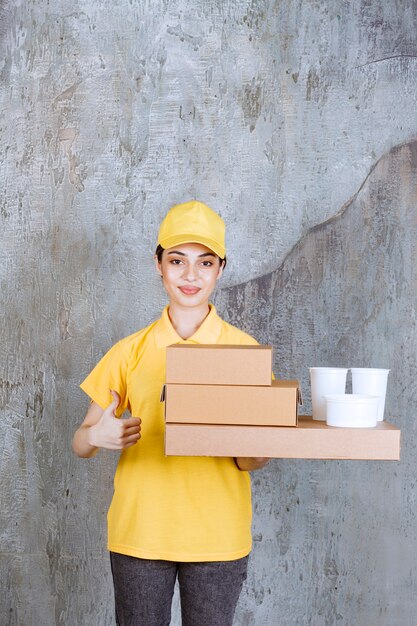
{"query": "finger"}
pixel 132 430
pixel 129 445
pixel 132 421
pixel 131 438
pixel 116 401
pixel 123 436
pixel 129 441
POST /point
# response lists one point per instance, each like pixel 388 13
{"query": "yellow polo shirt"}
pixel 172 508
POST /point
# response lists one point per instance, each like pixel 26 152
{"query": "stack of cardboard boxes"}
pixel 222 401
pixel 214 393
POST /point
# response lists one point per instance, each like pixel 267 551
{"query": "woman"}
pixel 170 516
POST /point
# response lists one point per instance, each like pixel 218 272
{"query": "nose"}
pixel 190 273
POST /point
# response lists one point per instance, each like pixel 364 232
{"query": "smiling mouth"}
pixel 189 291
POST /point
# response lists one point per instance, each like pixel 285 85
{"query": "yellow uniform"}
pixel 171 508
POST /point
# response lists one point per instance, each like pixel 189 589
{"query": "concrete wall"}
pixel 296 122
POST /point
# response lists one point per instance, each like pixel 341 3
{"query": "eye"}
pixel 207 263
pixel 175 261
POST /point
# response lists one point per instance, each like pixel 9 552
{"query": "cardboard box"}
pixel 214 364
pixel 276 405
pixel 311 440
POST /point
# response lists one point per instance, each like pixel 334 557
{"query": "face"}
pixel 189 272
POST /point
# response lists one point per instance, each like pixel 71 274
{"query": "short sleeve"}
pixel 109 373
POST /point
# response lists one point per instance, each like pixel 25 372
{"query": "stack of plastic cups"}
pixel 325 380
pixel 371 382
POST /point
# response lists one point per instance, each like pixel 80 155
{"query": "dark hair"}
pixel 159 252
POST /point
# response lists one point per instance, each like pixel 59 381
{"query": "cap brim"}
pixel 176 240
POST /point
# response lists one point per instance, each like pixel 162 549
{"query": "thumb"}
pixel 116 401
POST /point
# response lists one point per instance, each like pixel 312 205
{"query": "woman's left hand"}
pixel 250 463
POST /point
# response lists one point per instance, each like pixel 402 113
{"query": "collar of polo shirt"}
pixel 209 331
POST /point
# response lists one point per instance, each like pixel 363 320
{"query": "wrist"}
pixel 81 443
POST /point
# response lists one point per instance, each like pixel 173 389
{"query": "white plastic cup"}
pixel 371 382
pixel 352 410
pixel 325 380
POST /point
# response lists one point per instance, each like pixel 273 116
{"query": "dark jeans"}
pixel 143 590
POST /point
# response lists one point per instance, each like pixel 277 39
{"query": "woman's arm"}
pixel 102 429
pixel 249 463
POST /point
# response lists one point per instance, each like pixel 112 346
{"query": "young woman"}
pixel 170 516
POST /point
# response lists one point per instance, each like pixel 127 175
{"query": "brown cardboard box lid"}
pixel 219 364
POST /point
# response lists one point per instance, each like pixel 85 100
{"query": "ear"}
pixel 157 265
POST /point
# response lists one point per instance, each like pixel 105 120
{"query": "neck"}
pixel 187 320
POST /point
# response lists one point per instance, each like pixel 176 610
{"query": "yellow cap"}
pixel 193 222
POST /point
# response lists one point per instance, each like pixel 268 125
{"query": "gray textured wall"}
pixel 296 122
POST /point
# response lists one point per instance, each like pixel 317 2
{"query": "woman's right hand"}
pixel 114 433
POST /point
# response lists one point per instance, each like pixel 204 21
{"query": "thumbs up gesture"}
pixel 113 433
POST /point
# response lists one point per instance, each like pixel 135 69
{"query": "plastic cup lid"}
pixel 328 369
pixel 369 370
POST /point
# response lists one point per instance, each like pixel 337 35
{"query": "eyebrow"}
pixel 183 253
